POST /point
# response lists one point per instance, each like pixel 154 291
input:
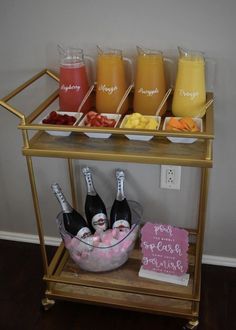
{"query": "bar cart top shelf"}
pixel 117 148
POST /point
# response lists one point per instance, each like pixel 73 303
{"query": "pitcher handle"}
pixel 210 73
pixel 169 60
pixel 130 62
pixel 91 70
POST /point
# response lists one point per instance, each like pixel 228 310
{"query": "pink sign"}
pixel 164 249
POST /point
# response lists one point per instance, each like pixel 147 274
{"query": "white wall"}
pixel 29 32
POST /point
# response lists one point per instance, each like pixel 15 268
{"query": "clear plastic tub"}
pixel 106 251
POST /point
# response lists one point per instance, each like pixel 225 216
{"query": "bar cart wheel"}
pixel 47 303
pixel 193 324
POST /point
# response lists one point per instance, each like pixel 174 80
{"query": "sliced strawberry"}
pixel 89 119
pixel 95 122
pixel 46 121
pixel 111 122
pixel 102 120
pixel 53 115
pixel 91 114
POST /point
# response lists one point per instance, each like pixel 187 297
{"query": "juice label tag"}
pixel 109 90
pixel 148 92
pixel 191 94
pixel 70 87
pixel 100 222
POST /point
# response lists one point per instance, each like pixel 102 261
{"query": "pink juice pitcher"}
pixel 74 82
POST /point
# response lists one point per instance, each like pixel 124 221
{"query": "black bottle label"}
pixel 100 222
pixel 83 233
pixel 121 224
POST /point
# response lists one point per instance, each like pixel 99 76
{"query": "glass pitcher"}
pixel 150 81
pixel 190 90
pixel 111 80
pixel 74 82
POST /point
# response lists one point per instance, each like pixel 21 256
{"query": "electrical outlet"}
pixel 170 177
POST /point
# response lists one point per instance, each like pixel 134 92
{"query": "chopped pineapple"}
pixel 138 121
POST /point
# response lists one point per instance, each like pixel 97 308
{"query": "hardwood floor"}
pixel 22 288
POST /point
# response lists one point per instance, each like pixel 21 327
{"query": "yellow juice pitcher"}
pixel 111 80
pixel 190 90
pixel 150 81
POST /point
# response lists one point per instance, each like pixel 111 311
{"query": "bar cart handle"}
pixel 4 100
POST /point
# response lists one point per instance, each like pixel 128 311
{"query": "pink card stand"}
pixel 165 256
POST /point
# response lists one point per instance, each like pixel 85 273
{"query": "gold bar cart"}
pixel 122 288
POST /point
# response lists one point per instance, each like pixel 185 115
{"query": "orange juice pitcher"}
pixel 150 81
pixel 190 91
pixel 111 80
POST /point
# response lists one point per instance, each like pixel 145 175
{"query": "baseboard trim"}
pixel 218 261
pixel 54 241
pixel 28 238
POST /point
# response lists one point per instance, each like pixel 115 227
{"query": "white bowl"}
pixel 140 137
pixel 101 135
pixel 77 115
pixel 173 139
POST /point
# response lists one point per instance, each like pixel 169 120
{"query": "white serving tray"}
pixel 101 135
pixel 182 139
pixel 140 137
pixel 77 115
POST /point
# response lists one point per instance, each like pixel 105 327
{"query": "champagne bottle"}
pixel 74 222
pixel 120 212
pixel 95 209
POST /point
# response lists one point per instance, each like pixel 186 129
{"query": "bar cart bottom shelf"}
pixel 123 300
pixel 121 288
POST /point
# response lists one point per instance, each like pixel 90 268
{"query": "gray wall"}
pixel 29 32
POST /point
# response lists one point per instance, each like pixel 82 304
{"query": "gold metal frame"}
pixel 117 148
